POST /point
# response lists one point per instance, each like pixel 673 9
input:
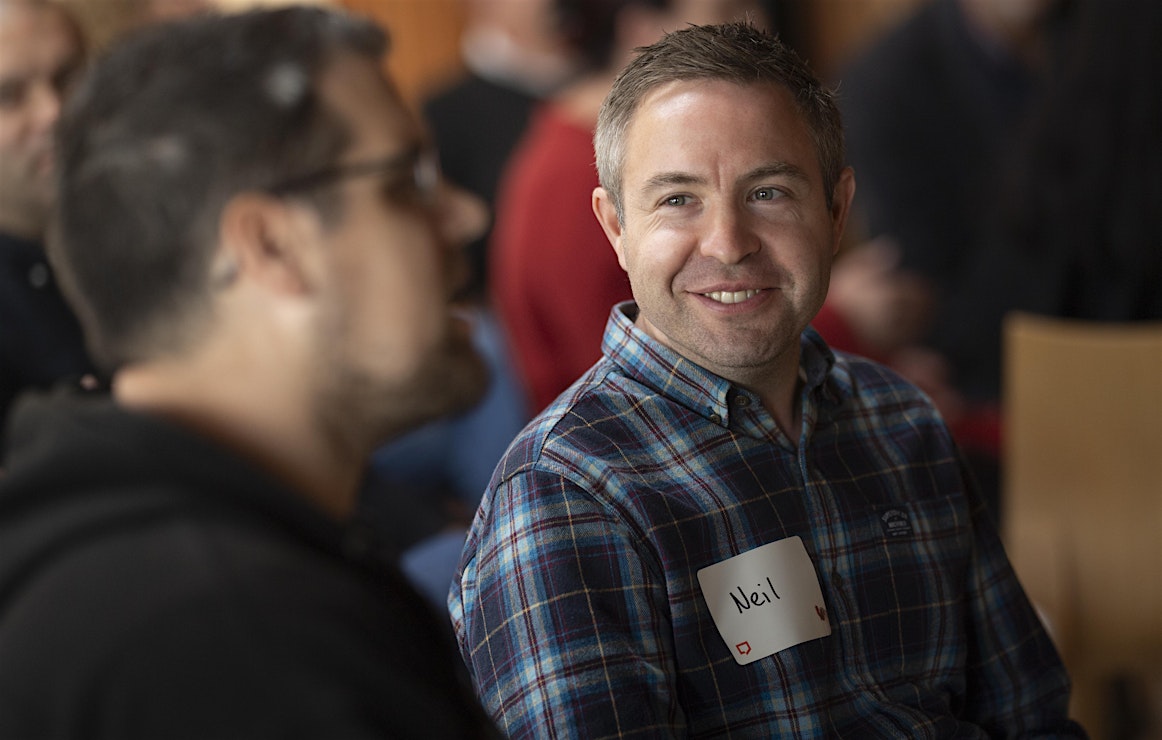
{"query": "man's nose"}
pixel 729 237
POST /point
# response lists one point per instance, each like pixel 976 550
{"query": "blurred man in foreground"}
pixel 261 252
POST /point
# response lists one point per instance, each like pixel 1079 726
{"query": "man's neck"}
pixel 778 387
pixel 254 419
pixel 783 403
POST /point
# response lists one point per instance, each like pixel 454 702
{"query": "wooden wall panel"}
pixel 426 33
pixel 841 27
pixel 425 39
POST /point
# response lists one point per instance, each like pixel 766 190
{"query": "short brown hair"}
pixel 734 52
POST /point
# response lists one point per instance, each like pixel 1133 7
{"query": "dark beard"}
pixel 358 413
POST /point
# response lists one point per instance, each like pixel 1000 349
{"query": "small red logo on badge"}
pixel 743 648
pixel 821 612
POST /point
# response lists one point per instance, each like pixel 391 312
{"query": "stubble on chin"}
pixel 359 411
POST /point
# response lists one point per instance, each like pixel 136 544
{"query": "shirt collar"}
pixel 648 361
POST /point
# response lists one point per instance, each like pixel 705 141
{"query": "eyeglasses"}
pixel 419 165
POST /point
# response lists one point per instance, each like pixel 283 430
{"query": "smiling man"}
pixel 263 256
pixel 724 527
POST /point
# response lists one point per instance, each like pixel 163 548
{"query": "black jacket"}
pixel 154 585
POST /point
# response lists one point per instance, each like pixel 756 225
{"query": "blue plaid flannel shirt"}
pixel 577 605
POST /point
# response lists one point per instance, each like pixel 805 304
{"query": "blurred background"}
pixel 427 33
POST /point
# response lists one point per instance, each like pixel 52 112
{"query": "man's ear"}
pixel 263 239
pixel 606 214
pixel 841 206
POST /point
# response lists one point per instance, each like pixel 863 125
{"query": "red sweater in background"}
pixel 553 275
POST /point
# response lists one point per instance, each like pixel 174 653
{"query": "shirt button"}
pixel 716 418
pixel 742 401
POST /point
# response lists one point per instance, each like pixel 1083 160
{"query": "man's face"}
pixel 727 236
pixel 39 53
pixel 395 354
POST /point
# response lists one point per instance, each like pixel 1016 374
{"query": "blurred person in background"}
pixel 41 51
pixel 933 109
pixel 1077 231
pixel 514 56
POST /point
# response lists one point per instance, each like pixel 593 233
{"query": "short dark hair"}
pixel 734 52
pixel 158 136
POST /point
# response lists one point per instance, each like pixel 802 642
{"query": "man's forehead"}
pixel 767 96
pixel 786 150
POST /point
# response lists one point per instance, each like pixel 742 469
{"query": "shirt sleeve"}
pixel 1016 684
pixel 562 618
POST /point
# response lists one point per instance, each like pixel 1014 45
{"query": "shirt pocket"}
pixel 908 586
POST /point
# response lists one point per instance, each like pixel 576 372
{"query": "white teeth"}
pixel 727 296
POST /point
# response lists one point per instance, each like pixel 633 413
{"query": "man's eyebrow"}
pixel 777 169
pixel 669 179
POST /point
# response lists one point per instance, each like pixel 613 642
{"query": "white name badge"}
pixel 765 600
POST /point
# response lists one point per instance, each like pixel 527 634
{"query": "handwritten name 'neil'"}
pixel 759 597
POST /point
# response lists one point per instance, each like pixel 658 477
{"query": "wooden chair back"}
pixel 1082 498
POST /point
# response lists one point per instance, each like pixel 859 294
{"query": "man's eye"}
pixel 676 200
pixel 766 194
